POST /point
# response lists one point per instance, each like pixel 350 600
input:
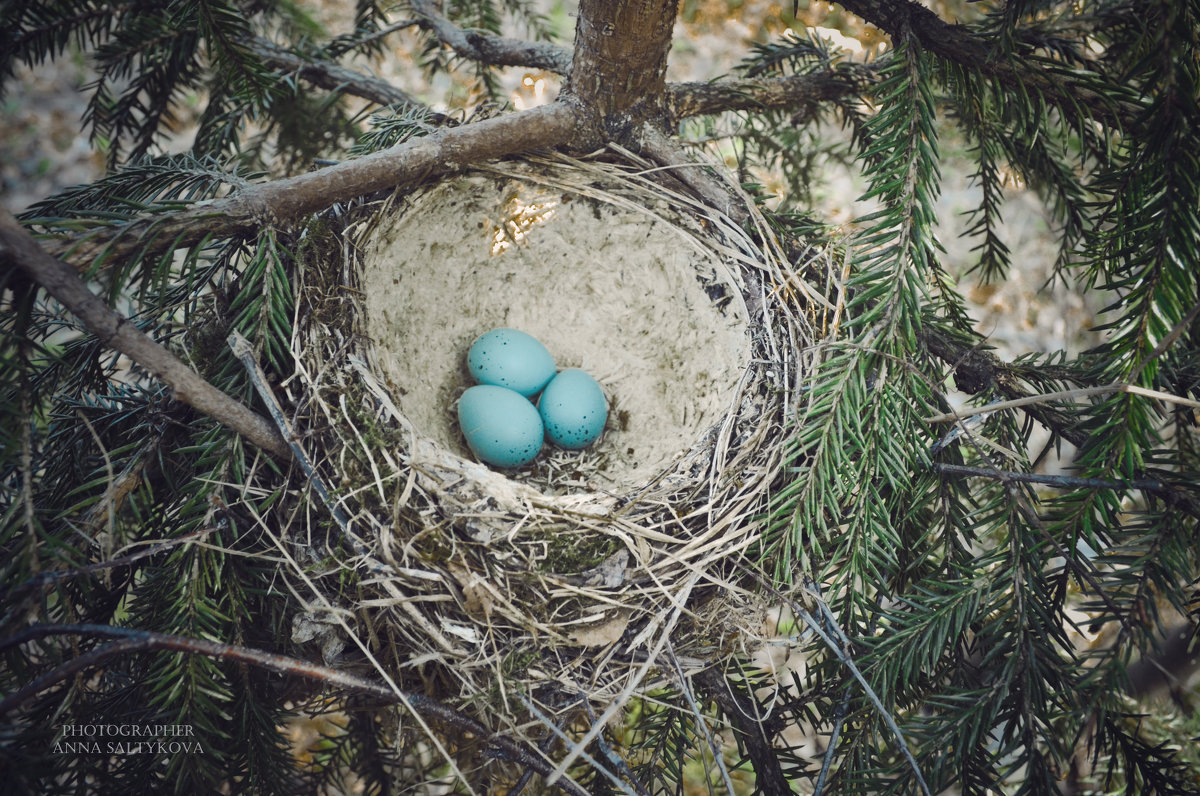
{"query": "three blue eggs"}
pixel 501 424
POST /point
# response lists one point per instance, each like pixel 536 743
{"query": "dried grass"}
pixel 495 590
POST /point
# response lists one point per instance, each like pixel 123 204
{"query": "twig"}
pixel 18 248
pixel 1060 481
pixel 335 77
pixel 700 723
pixel 760 93
pixel 242 350
pixel 843 658
pixel 614 758
pixel 741 710
pixel 830 622
pixel 1062 395
pixel 42 578
pixel 488 48
pixel 575 747
pixel 132 640
pixel 666 152
pixel 834 735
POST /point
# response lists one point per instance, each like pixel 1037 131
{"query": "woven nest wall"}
pixel 574 574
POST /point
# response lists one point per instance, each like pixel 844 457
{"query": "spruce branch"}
pixel 1057 481
pixel 19 249
pixel 290 199
pixel 762 93
pixel 333 76
pixel 132 640
pixel 958 44
pixel 488 48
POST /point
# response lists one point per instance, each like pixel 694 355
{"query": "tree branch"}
pixel 18 249
pixel 335 77
pixel 281 201
pixel 957 44
pixel 756 94
pixel 128 640
pixel 488 48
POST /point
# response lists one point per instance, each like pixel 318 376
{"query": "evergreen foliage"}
pixel 995 616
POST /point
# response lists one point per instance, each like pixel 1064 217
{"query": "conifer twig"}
pixel 839 649
pixel 1060 481
pixel 488 48
pixel 1062 395
pixel 128 640
pixel 18 248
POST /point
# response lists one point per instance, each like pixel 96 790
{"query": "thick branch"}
pixel 956 43
pixel 19 249
pixel 744 713
pixel 130 640
pixel 488 48
pixel 755 94
pixel 289 199
pixel 620 67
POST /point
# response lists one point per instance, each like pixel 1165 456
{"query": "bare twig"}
pixel 757 94
pixel 1059 481
pixel 1064 395
pixel 335 77
pixel 19 249
pixel 488 48
pixel 128 640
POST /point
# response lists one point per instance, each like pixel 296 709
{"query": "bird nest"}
pixel 582 572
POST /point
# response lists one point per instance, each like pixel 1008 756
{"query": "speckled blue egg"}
pixel 502 427
pixel 510 358
pixel 573 409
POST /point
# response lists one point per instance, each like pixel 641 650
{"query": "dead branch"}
pixel 488 48
pixel 18 249
pixel 131 640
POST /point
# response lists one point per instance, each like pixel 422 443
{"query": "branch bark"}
pixel 335 77
pixel 488 48
pixel 18 249
pixel 755 94
pixel 289 199
pixel 619 76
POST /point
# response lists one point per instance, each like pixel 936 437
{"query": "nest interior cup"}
pixel 624 292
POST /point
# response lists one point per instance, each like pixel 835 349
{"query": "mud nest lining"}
pixel 572 575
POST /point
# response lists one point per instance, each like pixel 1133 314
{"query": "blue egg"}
pixel 510 358
pixel 573 409
pixel 502 427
